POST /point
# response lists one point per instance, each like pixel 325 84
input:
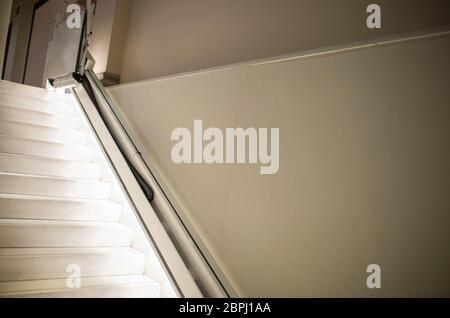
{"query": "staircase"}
pixel 59 206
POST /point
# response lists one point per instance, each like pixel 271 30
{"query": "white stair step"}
pixel 137 286
pixel 36 104
pixel 36 233
pixel 49 167
pixel 55 187
pixel 31 91
pixel 38 118
pixel 53 263
pixel 48 208
pixel 45 149
pixel 41 133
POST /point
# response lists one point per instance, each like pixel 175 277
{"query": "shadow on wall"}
pixel 171 37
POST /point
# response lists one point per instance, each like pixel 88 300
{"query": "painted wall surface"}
pixel 118 37
pixel 110 29
pixel 170 37
pixel 5 9
pixel 102 26
pixel 364 169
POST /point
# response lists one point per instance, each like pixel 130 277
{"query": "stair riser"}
pixel 28 103
pixel 25 185
pixel 38 118
pixel 15 236
pixel 93 211
pixel 13 268
pixel 47 167
pixel 40 133
pixel 45 149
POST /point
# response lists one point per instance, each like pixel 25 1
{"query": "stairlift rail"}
pixel 206 277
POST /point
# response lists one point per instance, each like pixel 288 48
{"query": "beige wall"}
pixel 110 29
pixel 170 37
pixel 119 37
pixel 102 30
pixel 5 9
pixel 364 169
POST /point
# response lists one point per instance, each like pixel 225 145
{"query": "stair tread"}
pixel 29 207
pixel 45 142
pixel 7 121
pixel 50 198
pixel 47 161
pixel 42 133
pixel 39 93
pixel 33 131
pixel 24 175
pixel 58 160
pixel 46 149
pixel 61 223
pixel 27 116
pixel 21 233
pixel 34 286
pixel 53 100
pixel 37 112
pixel 20 152
pixel 52 251
pixel 36 263
pixel 44 107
